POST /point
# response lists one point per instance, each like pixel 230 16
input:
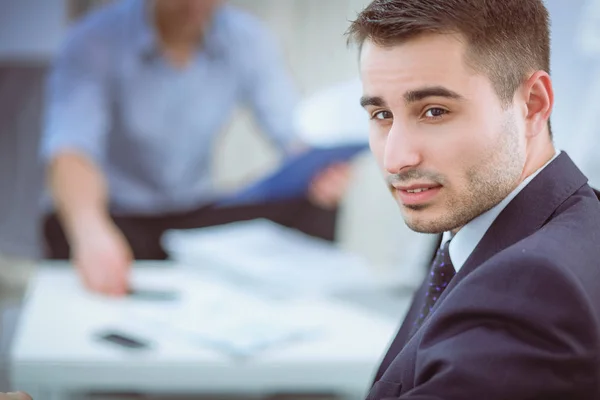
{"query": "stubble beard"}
pixel 495 175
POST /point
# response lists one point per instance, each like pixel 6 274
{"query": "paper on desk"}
pixel 222 317
pixel 278 258
pixel 293 178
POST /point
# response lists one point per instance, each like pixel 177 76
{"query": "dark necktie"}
pixel 442 271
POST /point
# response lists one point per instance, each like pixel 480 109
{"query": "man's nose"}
pixel 401 150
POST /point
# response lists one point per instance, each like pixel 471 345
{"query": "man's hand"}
pixel 103 258
pixel 330 185
pixel 15 396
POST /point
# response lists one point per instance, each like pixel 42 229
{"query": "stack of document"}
pixel 278 259
pixel 214 314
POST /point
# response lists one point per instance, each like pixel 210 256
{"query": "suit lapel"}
pixel 408 326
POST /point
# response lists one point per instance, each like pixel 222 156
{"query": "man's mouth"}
pixel 417 190
pixel 419 194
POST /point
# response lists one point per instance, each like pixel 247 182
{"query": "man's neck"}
pixel 175 30
pixel 538 154
pixel 466 239
pixel 178 41
pixel 172 35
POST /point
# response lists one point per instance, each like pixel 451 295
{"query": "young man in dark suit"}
pixel 459 96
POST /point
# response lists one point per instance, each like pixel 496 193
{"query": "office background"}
pixel 311 35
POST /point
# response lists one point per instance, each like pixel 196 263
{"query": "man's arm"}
pixel 75 128
pixel 526 333
pixel 73 145
pixel 79 192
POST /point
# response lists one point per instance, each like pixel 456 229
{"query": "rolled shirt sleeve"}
pixel 76 116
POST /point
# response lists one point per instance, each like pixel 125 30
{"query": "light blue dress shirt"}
pixel 150 126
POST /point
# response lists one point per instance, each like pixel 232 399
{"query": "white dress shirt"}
pixel 466 239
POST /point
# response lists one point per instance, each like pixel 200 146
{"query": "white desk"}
pixel 54 352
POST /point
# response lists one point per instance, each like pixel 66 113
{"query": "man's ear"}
pixel 539 102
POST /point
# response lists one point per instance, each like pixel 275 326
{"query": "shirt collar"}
pixel 465 240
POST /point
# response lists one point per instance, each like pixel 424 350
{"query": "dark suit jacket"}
pixel 521 318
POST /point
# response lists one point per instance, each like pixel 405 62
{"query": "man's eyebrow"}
pixel 372 101
pixel 413 96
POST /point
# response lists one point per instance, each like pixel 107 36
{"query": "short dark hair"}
pixel 506 39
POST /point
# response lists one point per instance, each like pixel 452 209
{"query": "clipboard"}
pixel 293 178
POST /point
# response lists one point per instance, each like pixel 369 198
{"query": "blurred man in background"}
pixel 137 97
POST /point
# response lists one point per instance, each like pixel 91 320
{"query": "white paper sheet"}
pixel 220 316
pixel 264 253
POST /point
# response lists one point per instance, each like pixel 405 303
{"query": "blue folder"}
pixel 293 178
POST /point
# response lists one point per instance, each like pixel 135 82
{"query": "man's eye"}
pixel 382 115
pixel 435 112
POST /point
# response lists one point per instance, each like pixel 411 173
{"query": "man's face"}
pixel 448 148
pixel 188 12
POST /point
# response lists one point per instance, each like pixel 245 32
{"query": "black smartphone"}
pixel 124 340
pixel 152 294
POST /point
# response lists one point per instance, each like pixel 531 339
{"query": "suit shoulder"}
pixel 558 258
pixel 567 242
pixel 529 261
pixel 528 283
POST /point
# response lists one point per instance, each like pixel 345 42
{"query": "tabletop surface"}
pixel 56 339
